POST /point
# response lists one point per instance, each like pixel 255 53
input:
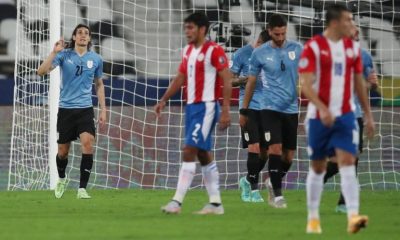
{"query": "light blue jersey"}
pixel 279 75
pixel 77 75
pixel 240 67
pixel 368 66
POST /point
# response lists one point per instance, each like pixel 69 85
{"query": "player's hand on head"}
pixel 59 46
pixel 224 120
pixel 158 108
pixel 326 117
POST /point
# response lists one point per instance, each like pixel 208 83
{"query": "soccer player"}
pixel 330 67
pixel 79 67
pixel 204 65
pixel 252 133
pixel 277 61
pixel 372 82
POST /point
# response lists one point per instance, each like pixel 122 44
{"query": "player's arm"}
pixel 173 88
pixel 99 85
pixel 361 91
pixel 235 70
pixel 225 119
pixel 47 64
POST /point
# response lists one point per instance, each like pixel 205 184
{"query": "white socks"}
pixel 211 180
pixel 350 189
pixel 314 187
pixel 186 174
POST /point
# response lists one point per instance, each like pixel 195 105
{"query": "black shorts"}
pixel 72 122
pixel 361 131
pixel 280 128
pixel 253 131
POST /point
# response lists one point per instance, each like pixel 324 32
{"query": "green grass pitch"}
pixel 135 214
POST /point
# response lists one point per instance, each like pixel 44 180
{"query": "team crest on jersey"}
pixel 292 55
pixel 200 57
pixel 221 60
pixel 267 136
pixel 349 53
pixel 89 63
pixel 230 63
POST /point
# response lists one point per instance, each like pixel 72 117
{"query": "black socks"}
pixel 61 165
pixel 275 173
pixel 86 168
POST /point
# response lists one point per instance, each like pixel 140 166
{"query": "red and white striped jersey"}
pixel 200 67
pixel 334 65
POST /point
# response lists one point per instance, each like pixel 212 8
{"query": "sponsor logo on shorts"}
pixel 267 136
pixel 246 136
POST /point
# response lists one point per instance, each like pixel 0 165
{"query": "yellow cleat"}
pixel 357 222
pixel 314 226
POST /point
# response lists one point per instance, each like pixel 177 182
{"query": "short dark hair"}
pixel 72 41
pixel 334 12
pixel 264 36
pixel 199 19
pixel 277 20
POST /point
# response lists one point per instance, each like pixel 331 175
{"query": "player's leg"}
pixel 87 131
pixel 87 141
pixel 341 206
pixel 272 125
pixel 345 141
pixel 289 140
pixel 210 174
pixel 318 138
pixel 66 131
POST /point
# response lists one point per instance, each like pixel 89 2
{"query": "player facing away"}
pixel 203 68
pixel 372 82
pixel 330 67
pixel 79 68
pixel 252 133
pixel 277 62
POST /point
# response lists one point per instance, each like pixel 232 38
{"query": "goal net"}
pixel 140 42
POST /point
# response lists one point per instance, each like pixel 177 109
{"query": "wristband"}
pixel 244 111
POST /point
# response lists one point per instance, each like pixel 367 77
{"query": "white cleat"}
pixel 172 207
pixel 82 194
pixel 60 187
pixel 211 209
pixel 279 202
pixel 271 194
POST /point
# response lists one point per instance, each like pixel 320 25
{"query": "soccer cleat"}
pixel 245 187
pixel 172 207
pixel 60 187
pixel 211 209
pixel 314 226
pixel 271 194
pixel 341 208
pixel 82 194
pixel 256 196
pixel 357 222
pixel 279 202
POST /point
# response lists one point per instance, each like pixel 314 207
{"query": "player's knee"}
pixel 275 149
pixel 62 152
pixel 204 157
pixel 288 156
pixel 318 166
pixel 189 154
pixel 87 146
pixel 254 148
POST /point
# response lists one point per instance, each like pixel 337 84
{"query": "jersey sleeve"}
pixel 254 65
pixel 58 60
pixel 99 70
pixel 307 62
pixel 219 59
pixel 236 66
pixel 183 65
pixel 367 62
